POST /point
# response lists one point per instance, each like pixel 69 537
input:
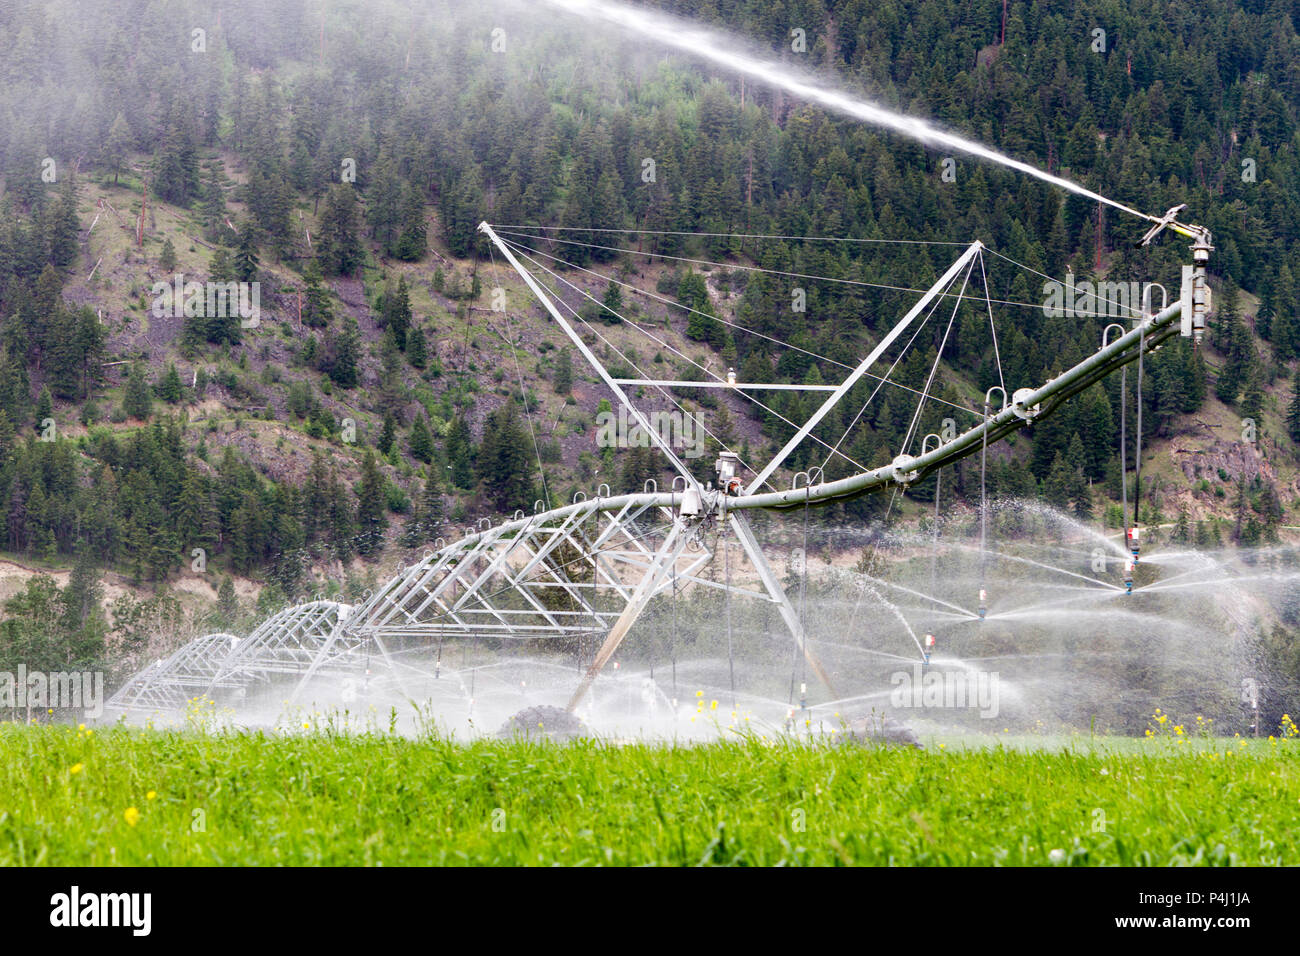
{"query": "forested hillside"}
pixel 341 154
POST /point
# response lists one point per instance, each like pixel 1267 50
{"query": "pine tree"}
pixel 218 328
pixel 1239 356
pixel 1252 402
pixel 341 520
pixel 316 309
pixel 1270 510
pixel 396 316
pixel 342 367
pixel 412 242
pixel 246 258
pixel 460 453
pixel 612 305
pixel 227 602
pixel 417 352
pixel 462 207
pixel 44 409
pixel 431 507
pixel 701 324
pixel 167 257
pixel 1250 534
pixel 393 394
pixel 82 623
pixel 1285 333
pixel 387 435
pixel 1059 484
pixel 504 465
pixel 61 232
pixel 340 249
pixel 221 267
pixel 176 169
pixel 212 211
pixel 170 389
pixel 426 519
pixel 116 146
pixel 1181 528
pixel 383 198
pixel 421 439
pixel 1082 495
pixel 137 400
pixel 371 505
pixel 1293 411
pixel 563 375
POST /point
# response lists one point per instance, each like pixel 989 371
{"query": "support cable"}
pixel 893 365
pixel 1137 453
pixel 731 235
pixel 637 368
pixel 857 283
pixel 992 328
pixel 519 247
pixel 1123 443
pixel 984 501
pixel 731 658
pixel 663 344
pixel 929 382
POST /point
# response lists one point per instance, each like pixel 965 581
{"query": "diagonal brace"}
pixel 745 535
pixel 664 560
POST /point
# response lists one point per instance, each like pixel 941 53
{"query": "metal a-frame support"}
pixel 665 558
pixel 962 262
pixel 772 584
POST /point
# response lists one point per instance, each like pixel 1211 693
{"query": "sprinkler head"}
pixel 983 609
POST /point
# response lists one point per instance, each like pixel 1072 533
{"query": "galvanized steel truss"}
pixel 590 567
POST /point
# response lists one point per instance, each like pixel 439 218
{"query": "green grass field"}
pixel 119 796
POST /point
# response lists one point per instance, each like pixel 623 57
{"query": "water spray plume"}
pixel 720 49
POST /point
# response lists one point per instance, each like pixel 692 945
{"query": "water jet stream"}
pixel 1047 567
pixel 925 597
pixel 719 48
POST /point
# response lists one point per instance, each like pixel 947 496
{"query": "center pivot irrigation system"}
pixel 585 572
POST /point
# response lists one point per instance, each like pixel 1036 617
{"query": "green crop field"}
pixel 119 796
